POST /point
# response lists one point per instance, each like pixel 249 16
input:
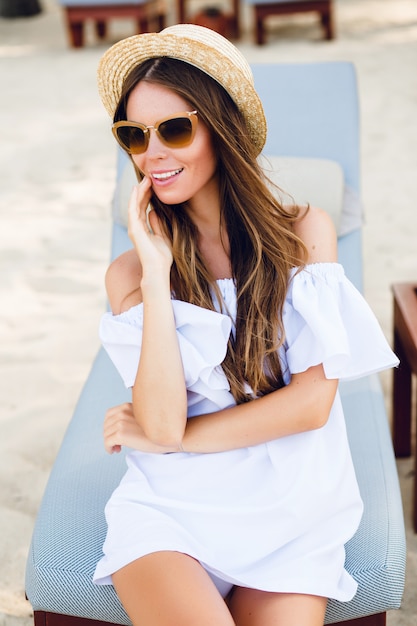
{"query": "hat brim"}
pixel 216 61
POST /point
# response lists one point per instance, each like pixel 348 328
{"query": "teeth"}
pixel 165 175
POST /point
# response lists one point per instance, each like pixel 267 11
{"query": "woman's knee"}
pixel 167 589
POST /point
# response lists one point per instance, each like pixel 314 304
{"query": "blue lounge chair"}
pixel 312 115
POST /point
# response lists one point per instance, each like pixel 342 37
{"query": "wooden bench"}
pixel 405 346
pixel 148 15
pixel 265 8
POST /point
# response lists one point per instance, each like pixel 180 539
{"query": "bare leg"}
pixel 250 607
pixel 168 589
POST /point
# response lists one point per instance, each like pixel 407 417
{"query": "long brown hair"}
pixel 263 246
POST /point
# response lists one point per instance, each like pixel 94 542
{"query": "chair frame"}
pixel 146 15
pixel 232 18
pixel 43 618
pixel 264 10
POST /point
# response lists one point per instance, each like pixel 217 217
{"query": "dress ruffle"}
pixel 273 516
pixel 328 321
pixel 202 336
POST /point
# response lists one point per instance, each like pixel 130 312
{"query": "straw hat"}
pixel 204 48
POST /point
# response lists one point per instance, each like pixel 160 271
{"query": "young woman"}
pixel 232 323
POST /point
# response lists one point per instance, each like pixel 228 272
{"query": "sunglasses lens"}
pixel 176 132
pixel 132 139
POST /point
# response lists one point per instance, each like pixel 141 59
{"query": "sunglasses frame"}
pixel 191 115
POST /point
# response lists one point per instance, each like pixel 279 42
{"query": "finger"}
pixel 121 433
pixel 115 417
pixel 113 439
pixel 139 200
pixel 149 209
pixel 110 449
pixel 143 195
pixel 153 221
pixel 125 408
pixel 117 426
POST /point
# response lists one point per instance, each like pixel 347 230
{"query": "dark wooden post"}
pixel 19 8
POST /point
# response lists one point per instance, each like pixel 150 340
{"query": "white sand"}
pixel 56 179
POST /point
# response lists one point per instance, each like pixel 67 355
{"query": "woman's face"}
pixel 177 174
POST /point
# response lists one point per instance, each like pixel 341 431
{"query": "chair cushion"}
pixel 300 180
pixel 98 3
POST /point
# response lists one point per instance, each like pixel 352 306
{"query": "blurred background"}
pixel 57 172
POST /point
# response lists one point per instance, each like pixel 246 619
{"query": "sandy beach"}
pixel 57 169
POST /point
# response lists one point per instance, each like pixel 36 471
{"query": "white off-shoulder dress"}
pixel 273 516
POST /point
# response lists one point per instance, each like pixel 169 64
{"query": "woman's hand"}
pixel 121 429
pixel 144 229
pixel 162 416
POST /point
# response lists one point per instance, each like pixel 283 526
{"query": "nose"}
pixel 155 145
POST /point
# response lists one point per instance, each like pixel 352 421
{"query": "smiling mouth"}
pixel 166 175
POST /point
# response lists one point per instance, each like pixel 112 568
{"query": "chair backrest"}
pixel 312 111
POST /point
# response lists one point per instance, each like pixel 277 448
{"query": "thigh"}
pixel 167 589
pixel 250 607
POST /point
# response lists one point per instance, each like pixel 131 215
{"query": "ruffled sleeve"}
pixel 202 336
pixel 328 321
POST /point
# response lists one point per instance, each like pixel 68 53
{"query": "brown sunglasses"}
pixel 175 131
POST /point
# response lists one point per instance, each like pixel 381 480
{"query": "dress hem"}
pixel 287 586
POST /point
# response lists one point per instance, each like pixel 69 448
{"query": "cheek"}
pixel 205 154
pixel 138 161
pixel 211 162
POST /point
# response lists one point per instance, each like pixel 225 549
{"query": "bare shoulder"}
pixel 123 282
pixel 316 229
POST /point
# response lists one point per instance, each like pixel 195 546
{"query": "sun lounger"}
pixel 313 123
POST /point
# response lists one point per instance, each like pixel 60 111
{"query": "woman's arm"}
pixel 301 406
pixel 158 395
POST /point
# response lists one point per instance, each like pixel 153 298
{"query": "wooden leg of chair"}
pixel 143 25
pixel 44 618
pixel 161 21
pixel 415 497
pixel 379 619
pixel 332 22
pixel 235 21
pixel 401 405
pixel 415 476
pixel 101 29
pixel 328 23
pixel 324 18
pixel 259 29
pixel 76 34
pixel 39 618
